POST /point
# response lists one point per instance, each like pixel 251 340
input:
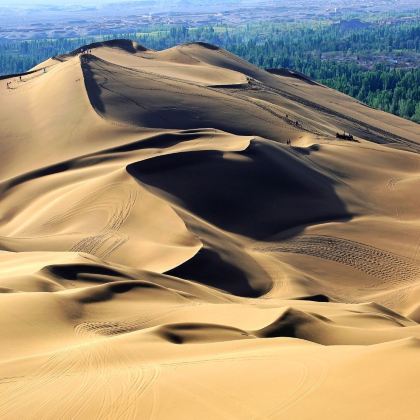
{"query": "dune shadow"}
pixel 255 193
pixel 207 267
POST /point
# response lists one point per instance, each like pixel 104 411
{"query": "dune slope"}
pixel 183 236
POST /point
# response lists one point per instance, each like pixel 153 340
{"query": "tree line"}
pixel 309 48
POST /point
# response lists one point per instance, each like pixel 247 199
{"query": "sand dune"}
pixel 166 253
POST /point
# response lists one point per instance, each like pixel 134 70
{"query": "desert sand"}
pixel 183 236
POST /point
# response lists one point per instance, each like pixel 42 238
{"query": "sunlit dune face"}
pixel 183 236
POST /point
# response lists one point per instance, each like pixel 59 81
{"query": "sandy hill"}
pixel 183 236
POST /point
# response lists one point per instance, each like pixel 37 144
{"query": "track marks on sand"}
pixel 89 375
pixel 115 201
pixel 383 265
pixel 294 381
pixel 312 375
pixel 127 325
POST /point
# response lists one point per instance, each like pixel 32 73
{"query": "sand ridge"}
pixel 183 236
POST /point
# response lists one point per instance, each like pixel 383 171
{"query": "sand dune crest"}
pixel 183 236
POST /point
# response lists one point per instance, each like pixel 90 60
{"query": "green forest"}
pixel 377 64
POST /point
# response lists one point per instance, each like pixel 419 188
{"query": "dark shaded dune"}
pixel 122 44
pixel 319 329
pixel 36 173
pixel 191 288
pixel 386 311
pixel 235 86
pixel 209 268
pixel 92 88
pixel 136 290
pixel 292 73
pixel 315 298
pixel 187 333
pixel 125 45
pixel 257 193
pixel 222 262
pixel 205 45
pixel 155 141
pixel 101 283
pixel 63 166
pixel 415 314
pixel 93 272
pixel 153 101
pixel 164 140
pixel 292 323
